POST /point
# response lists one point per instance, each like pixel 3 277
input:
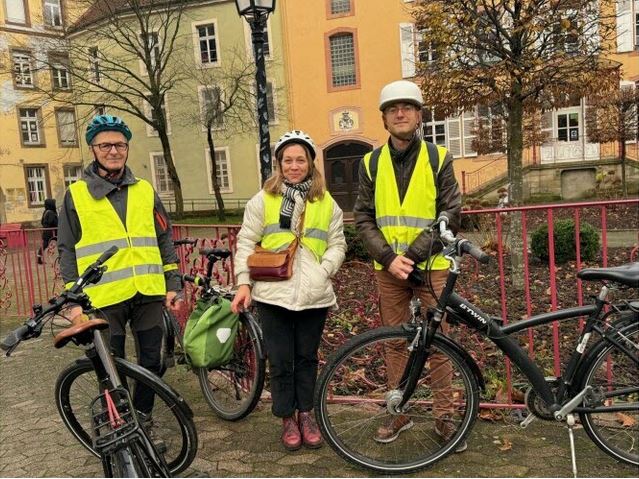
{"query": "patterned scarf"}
pixel 293 201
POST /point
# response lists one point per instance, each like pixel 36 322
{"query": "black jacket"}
pixel 70 232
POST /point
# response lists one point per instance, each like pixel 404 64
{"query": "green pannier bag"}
pixel 210 333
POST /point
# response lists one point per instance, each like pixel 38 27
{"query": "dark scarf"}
pixel 292 193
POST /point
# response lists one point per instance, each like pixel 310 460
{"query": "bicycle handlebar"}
pixel 33 326
pixel 184 241
pixel 460 245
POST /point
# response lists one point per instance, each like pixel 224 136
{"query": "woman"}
pixel 293 202
pixel 49 220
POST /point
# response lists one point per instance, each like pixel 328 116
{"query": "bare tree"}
pixel 121 56
pixel 527 55
pixel 613 116
pixel 226 96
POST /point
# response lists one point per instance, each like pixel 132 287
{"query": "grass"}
pixel 231 219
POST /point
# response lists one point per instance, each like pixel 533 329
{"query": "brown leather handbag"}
pixel 265 265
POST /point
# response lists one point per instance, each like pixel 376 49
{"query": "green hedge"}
pixel 564 238
pixel 356 249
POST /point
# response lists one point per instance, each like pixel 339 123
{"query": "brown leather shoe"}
pixel 311 435
pixel 393 427
pixel 291 437
pixel 445 429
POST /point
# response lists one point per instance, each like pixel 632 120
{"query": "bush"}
pixel 356 249
pixel 564 238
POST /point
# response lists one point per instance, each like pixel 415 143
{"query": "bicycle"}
pixel 232 390
pixel 108 425
pixel 599 383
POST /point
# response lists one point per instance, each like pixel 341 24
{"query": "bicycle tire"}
pixel 77 386
pixel 123 464
pixel 606 368
pixel 234 389
pixel 350 403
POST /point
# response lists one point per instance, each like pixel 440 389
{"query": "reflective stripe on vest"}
pixel 317 220
pixel 137 266
pixel 402 223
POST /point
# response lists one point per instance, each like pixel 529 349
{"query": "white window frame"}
pixel 148 111
pixel 60 74
pixel 64 142
pixel 72 173
pixel 625 21
pixel 196 43
pixel 155 58
pixel 200 94
pixel 433 125
pixel 227 159
pixel 52 11
pixel 94 60
pixel 37 184
pixel 169 192
pixel 12 7
pixel 248 40
pixel 567 112
pixel 32 124
pixel 22 70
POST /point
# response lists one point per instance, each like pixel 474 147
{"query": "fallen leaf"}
pixel 625 420
pixel 506 446
pixel 487 415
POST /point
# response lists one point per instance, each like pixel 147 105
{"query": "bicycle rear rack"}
pixel 114 420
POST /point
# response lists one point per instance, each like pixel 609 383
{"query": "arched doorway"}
pixel 341 164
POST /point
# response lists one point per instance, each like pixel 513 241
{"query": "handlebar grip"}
pixel 475 252
pixel 183 241
pixel 14 337
pixel 196 280
pixel 107 254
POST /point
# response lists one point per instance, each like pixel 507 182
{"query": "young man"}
pixel 404 187
pixel 110 206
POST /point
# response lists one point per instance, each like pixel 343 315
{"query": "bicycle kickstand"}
pixel 570 421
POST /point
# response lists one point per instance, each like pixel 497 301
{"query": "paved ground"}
pixel 34 443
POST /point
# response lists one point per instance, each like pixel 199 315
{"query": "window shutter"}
pixel 406 36
pixel 468 122
pixel 15 11
pixel 453 124
pixel 547 126
pixel 67 128
pixel 624 26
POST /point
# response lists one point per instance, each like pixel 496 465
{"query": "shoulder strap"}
pixel 374 161
pixel 433 156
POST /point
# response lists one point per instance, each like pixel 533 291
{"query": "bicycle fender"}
pixel 179 400
pixel 468 359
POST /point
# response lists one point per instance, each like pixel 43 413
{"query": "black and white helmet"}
pixel 295 136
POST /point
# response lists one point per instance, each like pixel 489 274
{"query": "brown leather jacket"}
pixel 448 204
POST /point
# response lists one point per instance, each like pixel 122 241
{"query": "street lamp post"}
pixel 256 12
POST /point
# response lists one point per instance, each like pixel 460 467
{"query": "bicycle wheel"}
pixel 234 389
pixel 122 463
pixel 613 377
pixel 352 393
pixel 77 386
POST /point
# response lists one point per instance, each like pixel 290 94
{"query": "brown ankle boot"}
pixel 311 435
pixel 291 437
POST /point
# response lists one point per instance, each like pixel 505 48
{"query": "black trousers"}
pixel 145 317
pixel 292 339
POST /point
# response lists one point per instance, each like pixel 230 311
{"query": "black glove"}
pixel 416 277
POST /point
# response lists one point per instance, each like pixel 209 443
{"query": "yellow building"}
pixel 39 147
pixel 351 48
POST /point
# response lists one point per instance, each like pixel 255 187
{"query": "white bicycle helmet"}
pixel 400 91
pixel 295 136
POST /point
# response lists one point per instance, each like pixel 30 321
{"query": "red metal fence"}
pixel 545 285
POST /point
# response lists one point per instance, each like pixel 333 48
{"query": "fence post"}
pixel 463 182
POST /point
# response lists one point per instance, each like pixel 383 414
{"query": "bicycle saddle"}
pixel 220 253
pixel 627 274
pixel 62 338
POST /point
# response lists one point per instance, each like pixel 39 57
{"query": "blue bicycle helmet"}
pixel 106 123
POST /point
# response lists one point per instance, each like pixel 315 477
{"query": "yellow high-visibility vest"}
pixel 317 220
pixel 137 266
pixel 402 223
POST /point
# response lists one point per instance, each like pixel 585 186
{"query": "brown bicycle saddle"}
pixel 81 325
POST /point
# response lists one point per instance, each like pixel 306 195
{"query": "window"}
pixel 52 13
pixel 566 32
pixel 15 11
pixel 161 179
pixel 637 25
pixel 222 169
pixel 22 74
pixel 66 127
pixel 72 173
pixel 340 6
pixel 434 126
pixel 94 61
pixel 211 107
pixel 29 127
pixel 207 42
pixel 568 127
pixel 426 51
pixel 248 38
pixel 491 120
pixel 342 52
pixel 60 73
pixel 36 184
pixel 153 44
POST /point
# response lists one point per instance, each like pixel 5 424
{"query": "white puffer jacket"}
pixel 310 285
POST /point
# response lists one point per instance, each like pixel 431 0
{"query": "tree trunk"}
pixel 221 215
pixel 175 180
pixel 515 176
pixel 622 148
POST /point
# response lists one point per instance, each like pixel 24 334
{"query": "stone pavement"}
pixel 34 443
